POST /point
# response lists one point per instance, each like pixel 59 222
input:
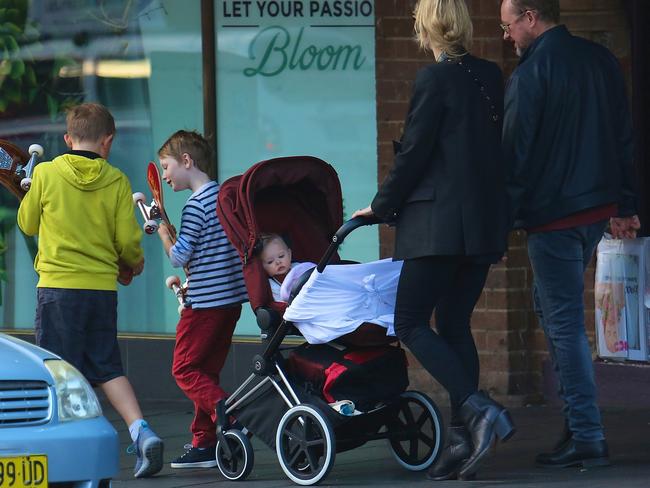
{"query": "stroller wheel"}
pixel 305 444
pixel 415 434
pixel 236 460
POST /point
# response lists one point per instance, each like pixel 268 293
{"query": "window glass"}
pixel 142 59
pixel 298 78
pixel 293 78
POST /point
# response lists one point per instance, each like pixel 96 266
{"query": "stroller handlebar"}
pixel 353 224
pixel 341 234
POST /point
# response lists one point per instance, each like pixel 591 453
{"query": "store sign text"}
pixel 297 8
pixel 280 52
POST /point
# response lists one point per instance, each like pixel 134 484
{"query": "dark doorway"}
pixel 638 12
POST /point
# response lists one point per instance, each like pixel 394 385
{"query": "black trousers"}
pixel 450 285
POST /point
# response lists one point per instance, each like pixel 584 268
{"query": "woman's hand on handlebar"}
pixel 364 212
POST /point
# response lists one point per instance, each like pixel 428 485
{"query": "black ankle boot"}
pixel 458 448
pixel 485 420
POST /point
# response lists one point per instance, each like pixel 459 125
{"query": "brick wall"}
pixel 510 343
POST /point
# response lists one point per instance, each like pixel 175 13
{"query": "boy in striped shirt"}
pixel 216 289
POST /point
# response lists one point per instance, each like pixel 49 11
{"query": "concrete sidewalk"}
pixel 372 465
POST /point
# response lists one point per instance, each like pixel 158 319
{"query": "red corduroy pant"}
pixel 203 338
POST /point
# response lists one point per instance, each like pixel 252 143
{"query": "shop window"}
pixel 140 59
pixel 298 78
pixel 293 78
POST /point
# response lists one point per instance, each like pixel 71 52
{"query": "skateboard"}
pixel 16 170
pixel 174 284
pixel 154 213
pixel 17 166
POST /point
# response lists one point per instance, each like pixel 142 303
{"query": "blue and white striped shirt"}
pixel 215 270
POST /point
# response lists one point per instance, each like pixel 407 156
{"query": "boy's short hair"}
pixel 89 122
pixel 195 145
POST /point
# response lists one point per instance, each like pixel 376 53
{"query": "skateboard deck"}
pixel 155 186
pixel 12 160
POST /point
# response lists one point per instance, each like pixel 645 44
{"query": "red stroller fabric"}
pixel 298 197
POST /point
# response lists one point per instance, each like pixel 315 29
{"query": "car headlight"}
pixel 75 397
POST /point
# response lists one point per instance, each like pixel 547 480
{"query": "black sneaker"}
pixel 196 457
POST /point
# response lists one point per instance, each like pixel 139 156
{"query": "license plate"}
pixel 23 471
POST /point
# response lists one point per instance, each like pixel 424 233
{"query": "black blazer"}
pixel 446 190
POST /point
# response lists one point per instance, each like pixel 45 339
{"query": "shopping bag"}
pixel 616 296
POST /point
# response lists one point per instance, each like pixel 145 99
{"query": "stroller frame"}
pixel 305 439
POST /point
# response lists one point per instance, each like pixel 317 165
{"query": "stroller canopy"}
pixel 297 197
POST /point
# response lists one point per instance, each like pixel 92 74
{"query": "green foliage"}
pixel 24 83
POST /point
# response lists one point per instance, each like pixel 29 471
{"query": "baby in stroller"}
pixel 335 302
pixel 287 401
pixel 276 260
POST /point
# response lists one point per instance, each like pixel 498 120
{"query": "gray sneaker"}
pixel 148 448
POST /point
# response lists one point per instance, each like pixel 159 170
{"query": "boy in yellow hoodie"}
pixel 82 211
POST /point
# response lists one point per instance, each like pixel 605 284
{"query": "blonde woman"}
pixel 446 193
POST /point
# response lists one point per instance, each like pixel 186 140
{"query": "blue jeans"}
pixel 559 259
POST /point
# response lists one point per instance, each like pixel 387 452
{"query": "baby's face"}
pixel 276 258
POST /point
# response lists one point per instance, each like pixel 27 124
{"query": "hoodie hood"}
pixel 84 173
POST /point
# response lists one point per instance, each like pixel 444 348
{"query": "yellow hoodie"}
pixel 82 211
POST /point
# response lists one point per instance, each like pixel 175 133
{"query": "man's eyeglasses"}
pixel 506 27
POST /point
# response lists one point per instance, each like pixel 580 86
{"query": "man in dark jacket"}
pixel 567 141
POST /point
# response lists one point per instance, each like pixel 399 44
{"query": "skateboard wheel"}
pixel 150 226
pixel 26 183
pixel 36 148
pixel 138 197
pixel 171 281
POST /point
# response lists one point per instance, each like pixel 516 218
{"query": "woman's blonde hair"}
pixel 444 24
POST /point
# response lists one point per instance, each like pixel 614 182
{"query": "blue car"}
pixel 51 424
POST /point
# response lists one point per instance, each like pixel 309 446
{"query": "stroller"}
pixel 282 402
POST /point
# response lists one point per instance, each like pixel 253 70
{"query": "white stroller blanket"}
pixel 343 297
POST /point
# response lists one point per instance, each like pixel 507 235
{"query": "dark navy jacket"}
pixel 567 135
pixel 446 189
